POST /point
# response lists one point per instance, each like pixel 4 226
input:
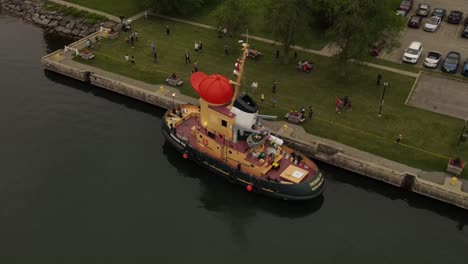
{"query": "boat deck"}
pixel 187 128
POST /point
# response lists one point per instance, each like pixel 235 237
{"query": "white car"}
pixel 432 59
pixel 432 24
pixel 413 52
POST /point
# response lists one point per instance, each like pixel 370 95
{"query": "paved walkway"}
pixel 109 16
pixel 327 51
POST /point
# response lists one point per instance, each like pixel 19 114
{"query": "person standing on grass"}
pixel 226 50
pixel 338 105
pixel 196 47
pixel 200 45
pixel 187 57
pixel 399 138
pixel 153 47
pixel 254 87
pixel 136 35
pixel 379 78
pixel 273 88
pixel 195 66
pixel 146 15
pixel 155 57
pixel 295 55
pixel 311 112
pixel 262 98
pixel 277 54
pixel 168 31
pixel 131 39
pixel 133 60
pixel 127 57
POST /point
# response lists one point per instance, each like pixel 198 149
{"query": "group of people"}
pixel 342 104
pixel 305 66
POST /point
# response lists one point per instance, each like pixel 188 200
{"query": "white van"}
pixel 413 52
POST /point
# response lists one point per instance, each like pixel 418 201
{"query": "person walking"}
pixel 379 78
pixel 273 87
pixel 226 50
pixel 254 87
pixel 153 47
pixel 133 60
pixel 311 112
pixel 168 31
pixel 187 57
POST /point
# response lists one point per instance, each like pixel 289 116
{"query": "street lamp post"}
pixel 173 103
pixel 462 134
pixel 385 84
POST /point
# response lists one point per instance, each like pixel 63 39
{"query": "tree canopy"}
pixel 177 6
pixel 234 15
pixel 354 25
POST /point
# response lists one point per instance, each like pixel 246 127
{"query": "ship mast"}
pixel 240 73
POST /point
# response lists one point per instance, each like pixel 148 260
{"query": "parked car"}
pixel 466 21
pixel 465 32
pixel 413 52
pixel 414 22
pixel 455 17
pixel 432 59
pixel 465 68
pixel 423 10
pixel 401 13
pixel 432 24
pixel 406 5
pixel 439 12
pixel 451 62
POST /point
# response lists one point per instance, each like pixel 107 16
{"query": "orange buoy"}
pixel 249 188
pixel 185 156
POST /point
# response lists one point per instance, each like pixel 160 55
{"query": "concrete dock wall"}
pixel 329 152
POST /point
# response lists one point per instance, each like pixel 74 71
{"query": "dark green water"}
pixel 86 177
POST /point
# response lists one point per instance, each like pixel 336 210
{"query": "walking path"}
pixel 439 180
pixel 109 16
pixel 327 51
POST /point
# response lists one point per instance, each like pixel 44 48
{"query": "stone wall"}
pixel 53 22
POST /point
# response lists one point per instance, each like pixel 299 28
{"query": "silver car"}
pixel 432 24
pixel 432 59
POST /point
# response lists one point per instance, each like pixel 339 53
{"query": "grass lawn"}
pixel 429 138
pixel 307 37
pixel 125 8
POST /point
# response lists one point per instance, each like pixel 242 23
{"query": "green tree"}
pixel 177 6
pixel 357 24
pixel 282 18
pixel 234 15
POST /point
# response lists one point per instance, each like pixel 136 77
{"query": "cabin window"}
pixel 224 123
pixel 230 152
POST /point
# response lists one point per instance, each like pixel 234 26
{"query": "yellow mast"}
pixel 245 48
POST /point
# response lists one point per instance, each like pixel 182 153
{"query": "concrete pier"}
pixel 437 185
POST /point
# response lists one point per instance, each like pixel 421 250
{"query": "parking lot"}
pixel 446 38
pixel 441 95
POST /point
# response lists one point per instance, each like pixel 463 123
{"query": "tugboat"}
pixel 224 135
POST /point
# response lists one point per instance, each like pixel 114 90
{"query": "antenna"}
pixel 245 48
